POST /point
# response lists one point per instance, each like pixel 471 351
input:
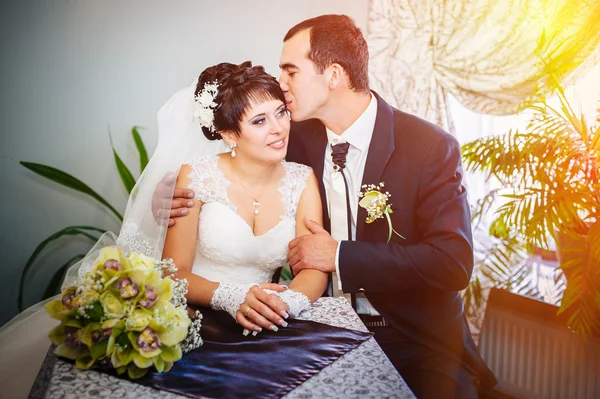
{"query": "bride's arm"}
pixel 310 282
pixel 180 245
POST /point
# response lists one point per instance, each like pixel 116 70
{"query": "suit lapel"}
pixel 315 150
pixel 380 151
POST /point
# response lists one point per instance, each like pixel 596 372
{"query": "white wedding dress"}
pixel 227 251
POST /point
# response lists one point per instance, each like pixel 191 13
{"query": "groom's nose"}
pixel 283 83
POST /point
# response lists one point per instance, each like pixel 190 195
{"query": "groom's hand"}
pixel 175 206
pixel 313 251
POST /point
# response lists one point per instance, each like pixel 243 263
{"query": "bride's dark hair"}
pixel 239 86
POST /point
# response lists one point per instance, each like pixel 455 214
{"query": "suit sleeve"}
pixel 442 257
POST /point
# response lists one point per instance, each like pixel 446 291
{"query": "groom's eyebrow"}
pixel 287 66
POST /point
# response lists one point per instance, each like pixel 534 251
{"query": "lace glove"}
pixel 296 301
pixel 229 297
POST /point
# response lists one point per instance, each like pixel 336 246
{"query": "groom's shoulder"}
pixel 305 128
pixel 411 128
pixel 302 137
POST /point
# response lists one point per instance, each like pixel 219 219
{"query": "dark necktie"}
pixel 339 208
pixel 338 154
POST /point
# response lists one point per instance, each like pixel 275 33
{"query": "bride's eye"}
pixel 259 121
pixel 280 112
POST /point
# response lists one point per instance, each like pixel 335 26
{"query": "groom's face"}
pixel 306 91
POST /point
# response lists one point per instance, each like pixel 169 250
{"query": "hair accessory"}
pixel 205 106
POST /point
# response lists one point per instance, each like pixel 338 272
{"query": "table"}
pixel 364 372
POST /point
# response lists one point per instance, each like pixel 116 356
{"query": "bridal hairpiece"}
pixel 205 106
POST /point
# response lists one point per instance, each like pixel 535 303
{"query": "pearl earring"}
pixel 233 154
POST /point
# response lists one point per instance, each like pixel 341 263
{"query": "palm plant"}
pixel 500 261
pixel 92 233
pixel 549 175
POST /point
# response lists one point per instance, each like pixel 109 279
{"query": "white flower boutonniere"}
pixel 376 204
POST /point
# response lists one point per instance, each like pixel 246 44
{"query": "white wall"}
pixel 71 69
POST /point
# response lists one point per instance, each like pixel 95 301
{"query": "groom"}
pixel 411 285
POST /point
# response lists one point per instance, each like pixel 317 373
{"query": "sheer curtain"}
pixel 469 125
pixel 482 52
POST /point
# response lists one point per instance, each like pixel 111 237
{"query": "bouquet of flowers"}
pixel 128 313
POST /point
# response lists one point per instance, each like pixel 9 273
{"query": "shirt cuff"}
pixel 337 266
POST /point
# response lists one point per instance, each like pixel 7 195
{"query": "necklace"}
pixel 256 202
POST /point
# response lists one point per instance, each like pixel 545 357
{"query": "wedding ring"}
pixel 248 308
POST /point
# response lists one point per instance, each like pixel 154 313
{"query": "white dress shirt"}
pixel 358 135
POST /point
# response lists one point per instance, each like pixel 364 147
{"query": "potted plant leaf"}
pixel 90 232
pixel 549 176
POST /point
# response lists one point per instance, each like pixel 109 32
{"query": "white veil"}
pixel 180 140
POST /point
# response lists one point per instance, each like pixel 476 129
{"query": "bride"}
pixel 249 203
pixel 225 137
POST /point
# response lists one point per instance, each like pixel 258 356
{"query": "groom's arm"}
pixel 442 258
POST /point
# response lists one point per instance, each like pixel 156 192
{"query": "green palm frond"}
pixel 549 174
pixel 581 267
pixel 473 296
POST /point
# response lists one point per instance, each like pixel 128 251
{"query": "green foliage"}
pixel 65 179
pixel 91 232
pixel 550 185
pixel 500 259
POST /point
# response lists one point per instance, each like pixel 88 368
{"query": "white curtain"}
pixel 483 52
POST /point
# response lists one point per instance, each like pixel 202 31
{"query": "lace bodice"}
pixel 227 249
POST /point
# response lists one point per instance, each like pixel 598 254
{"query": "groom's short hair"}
pixel 337 39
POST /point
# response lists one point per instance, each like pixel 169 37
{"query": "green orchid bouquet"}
pixel 128 313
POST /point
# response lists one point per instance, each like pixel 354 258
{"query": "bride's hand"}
pixel 262 310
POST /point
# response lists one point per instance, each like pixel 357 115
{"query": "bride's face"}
pixel 264 132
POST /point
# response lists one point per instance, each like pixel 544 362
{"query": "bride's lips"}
pixel 278 145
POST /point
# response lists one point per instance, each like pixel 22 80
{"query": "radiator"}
pixel 533 355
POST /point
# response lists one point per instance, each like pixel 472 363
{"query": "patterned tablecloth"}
pixel 364 372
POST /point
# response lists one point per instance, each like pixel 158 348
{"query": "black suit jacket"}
pixel 414 282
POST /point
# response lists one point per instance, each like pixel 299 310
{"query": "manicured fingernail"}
pixel 191 195
pixel 274 328
pixel 283 323
pixel 184 211
pixel 191 204
pixel 284 314
pixel 246 332
pixel 254 333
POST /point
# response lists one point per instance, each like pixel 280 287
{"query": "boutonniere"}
pixel 376 204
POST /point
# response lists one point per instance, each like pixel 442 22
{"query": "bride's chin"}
pixel 277 155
